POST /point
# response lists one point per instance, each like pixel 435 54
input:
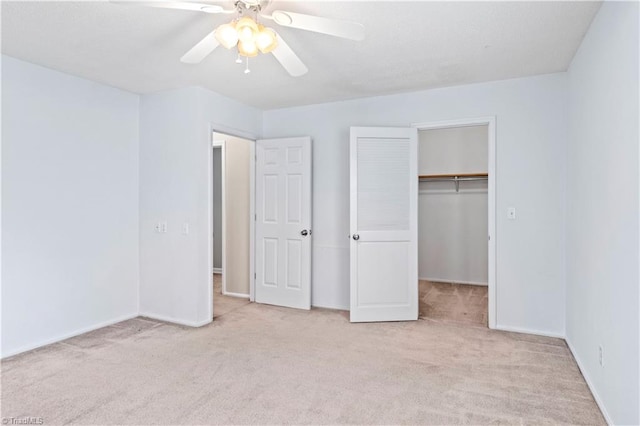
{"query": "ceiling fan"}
pixel 249 36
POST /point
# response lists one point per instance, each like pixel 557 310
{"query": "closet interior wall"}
pixel 453 224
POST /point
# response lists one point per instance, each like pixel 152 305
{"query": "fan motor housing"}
pixel 250 4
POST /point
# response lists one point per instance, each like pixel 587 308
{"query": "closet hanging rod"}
pixel 459 175
pixel 453 179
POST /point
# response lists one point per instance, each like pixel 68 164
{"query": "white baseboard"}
pixel 603 410
pixel 175 320
pixel 217 270
pixel 242 295
pixel 442 280
pixel 529 331
pixel 66 336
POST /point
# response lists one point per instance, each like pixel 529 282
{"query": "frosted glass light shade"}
pixel 266 39
pixel 247 49
pixel 227 35
pixel 247 29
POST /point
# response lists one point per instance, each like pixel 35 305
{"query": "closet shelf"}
pixel 456 178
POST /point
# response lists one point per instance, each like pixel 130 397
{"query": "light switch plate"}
pixel 511 213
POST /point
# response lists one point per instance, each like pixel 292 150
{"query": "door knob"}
pixel 304 232
pixel 356 237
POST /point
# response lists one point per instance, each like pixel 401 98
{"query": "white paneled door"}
pixel 384 224
pixel 283 222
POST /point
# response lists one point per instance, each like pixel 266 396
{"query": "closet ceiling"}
pixel 408 46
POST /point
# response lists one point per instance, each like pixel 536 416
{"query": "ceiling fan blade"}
pixel 288 59
pixel 180 5
pixel 344 29
pixel 201 50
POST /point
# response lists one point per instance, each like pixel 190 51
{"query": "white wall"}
pixel 452 233
pixel 531 136
pixel 453 150
pixel 453 225
pixel 175 186
pixel 602 210
pixel 69 205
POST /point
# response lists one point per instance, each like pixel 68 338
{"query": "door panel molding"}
pixel 283 213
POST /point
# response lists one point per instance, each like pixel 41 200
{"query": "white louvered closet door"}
pixel 384 224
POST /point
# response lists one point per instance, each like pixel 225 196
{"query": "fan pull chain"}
pixel 247 70
pixel 238 59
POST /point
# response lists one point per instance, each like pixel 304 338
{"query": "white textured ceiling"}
pixel 408 46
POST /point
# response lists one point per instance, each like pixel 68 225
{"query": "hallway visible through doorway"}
pixel 224 304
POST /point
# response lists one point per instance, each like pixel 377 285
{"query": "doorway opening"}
pixel 456 221
pixel 232 223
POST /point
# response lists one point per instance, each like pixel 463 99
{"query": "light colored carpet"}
pixel 458 303
pixel 264 364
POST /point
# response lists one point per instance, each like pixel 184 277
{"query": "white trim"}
pixel 223 183
pixel 490 122
pixel 441 280
pixel 252 221
pixel 209 289
pixel 242 295
pixel 230 131
pixel 461 122
pixel 175 320
pixel 592 388
pixel 66 336
pixel 217 270
pixel 529 331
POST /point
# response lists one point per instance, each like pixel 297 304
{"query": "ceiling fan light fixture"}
pixel 250 38
pixel 248 49
pixel 282 18
pixel 247 29
pixel 227 35
pixel 266 39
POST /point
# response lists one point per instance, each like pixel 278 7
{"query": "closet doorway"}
pixel 231 211
pixel 456 219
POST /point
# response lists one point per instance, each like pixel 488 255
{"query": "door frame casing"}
pixel 490 122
